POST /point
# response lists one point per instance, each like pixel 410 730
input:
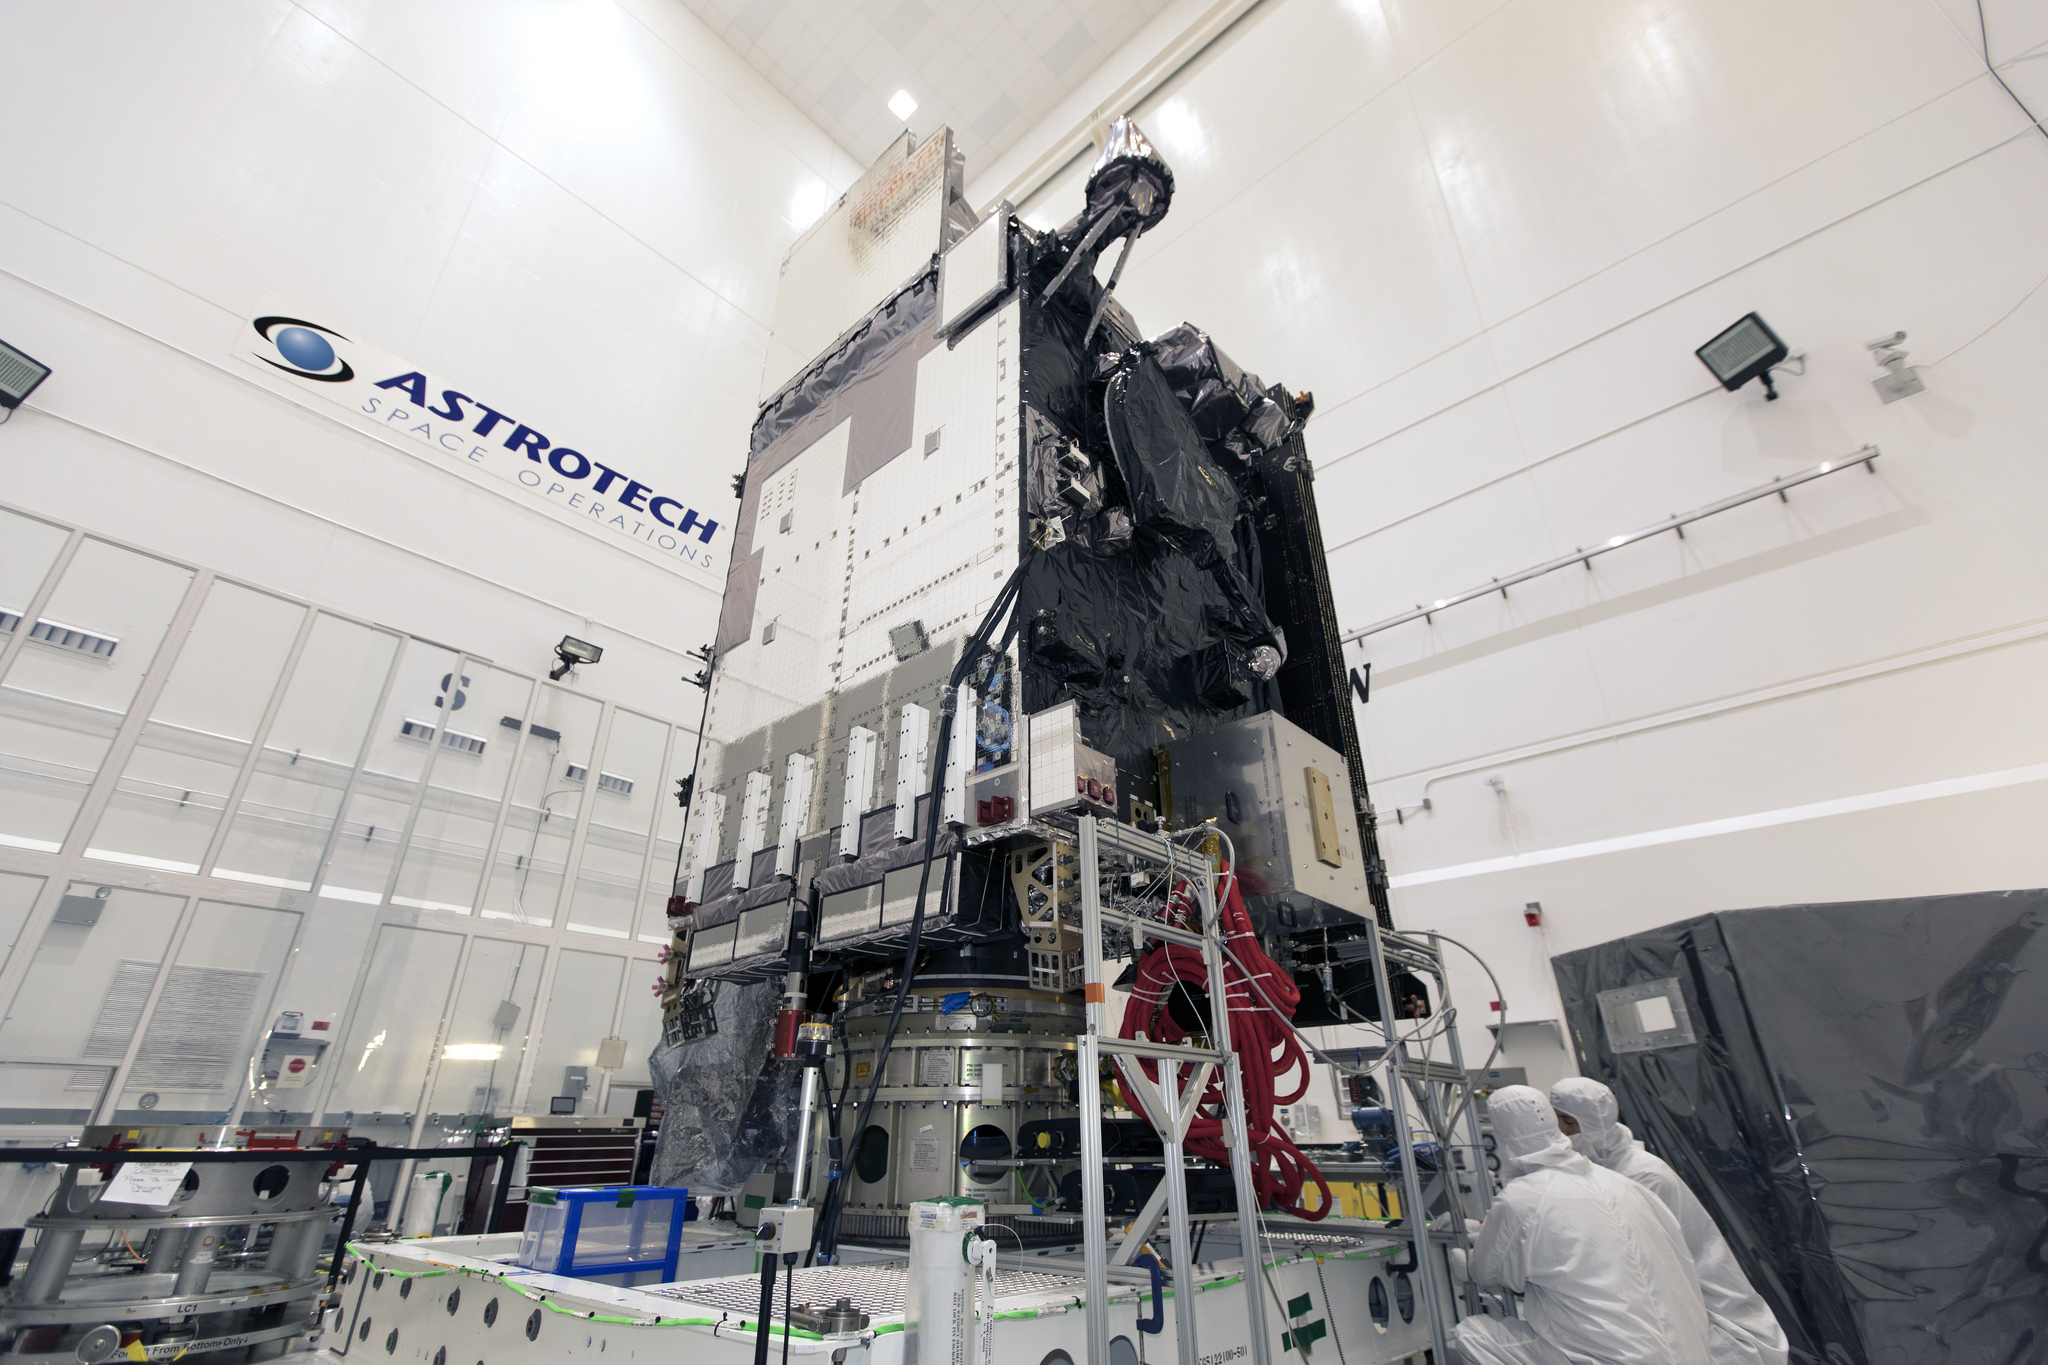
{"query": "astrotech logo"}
pixel 305 349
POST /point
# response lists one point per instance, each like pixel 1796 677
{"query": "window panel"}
pixel 487 1031
pixel 317 982
pixel 70 685
pixel 18 893
pixel 50 1092
pixel 639 1024
pixel 668 840
pixel 406 738
pixel 622 810
pixel 91 976
pixel 444 860
pixel 382 1064
pixel 27 550
pixel 214 1010
pixel 168 804
pixel 277 833
pixel 540 823
pixel 580 1007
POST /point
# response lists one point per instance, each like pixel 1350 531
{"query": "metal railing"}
pixel 360 1157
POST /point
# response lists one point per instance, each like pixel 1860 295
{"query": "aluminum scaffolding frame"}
pixel 1438 1096
pixel 1443 1092
pixel 1171 1104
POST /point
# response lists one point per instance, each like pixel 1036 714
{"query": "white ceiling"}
pixel 989 68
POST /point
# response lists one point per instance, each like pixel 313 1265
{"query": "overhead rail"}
pixel 1867 457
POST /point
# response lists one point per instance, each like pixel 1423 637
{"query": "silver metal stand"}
pixel 1170 1104
pixel 800 1173
pixel 1443 1094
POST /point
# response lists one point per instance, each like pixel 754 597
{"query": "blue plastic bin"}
pixel 606 1230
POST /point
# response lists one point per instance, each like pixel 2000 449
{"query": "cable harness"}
pixel 1267 1047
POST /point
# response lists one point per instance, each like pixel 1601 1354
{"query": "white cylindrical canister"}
pixel 938 1305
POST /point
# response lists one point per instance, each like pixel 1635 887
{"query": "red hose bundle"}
pixel 1267 1049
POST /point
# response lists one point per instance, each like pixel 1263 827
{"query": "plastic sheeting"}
pixel 1862 1106
pixel 1228 404
pixel 1140 641
pixel 726 1113
pixel 1166 469
pixel 1145 608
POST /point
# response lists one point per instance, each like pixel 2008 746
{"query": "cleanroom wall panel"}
pixel 223 672
pixel 444 860
pixel 663 864
pixel 1566 139
pixel 28 550
pixel 540 823
pixel 18 893
pixel 69 687
pixel 627 786
pixel 381 1064
pixel 581 1003
pixel 640 1026
pixel 198 1048
pixel 86 990
pixel 400 754
pixel 176 784
pixel 488 1028
pixel 277 835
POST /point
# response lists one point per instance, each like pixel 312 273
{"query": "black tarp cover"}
pixel 1865 1112
pixel 1145 613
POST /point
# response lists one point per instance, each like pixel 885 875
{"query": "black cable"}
pixel 767 1300
pixel 1984 34
pixel 835 1196
pixel 787 1281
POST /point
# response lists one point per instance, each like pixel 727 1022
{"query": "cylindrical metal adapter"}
pixel 197 1268
pixel 49 1264
pixel 166 1249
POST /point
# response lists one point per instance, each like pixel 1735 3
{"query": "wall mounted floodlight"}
pixel 19 375
pixel 1744 352
pixel 572 652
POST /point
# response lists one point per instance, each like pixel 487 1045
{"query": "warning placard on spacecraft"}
pixel 924 1151
pixel 935 1067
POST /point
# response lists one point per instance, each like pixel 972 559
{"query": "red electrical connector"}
pixel 1266 1047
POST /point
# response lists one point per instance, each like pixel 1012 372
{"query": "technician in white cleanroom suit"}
pixel 1600 1263
pixel 1744 1330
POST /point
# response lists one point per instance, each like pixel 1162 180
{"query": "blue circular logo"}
pixel 304 348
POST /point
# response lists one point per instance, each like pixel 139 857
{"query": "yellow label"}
pixel 860 1070
pixel 1322 818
